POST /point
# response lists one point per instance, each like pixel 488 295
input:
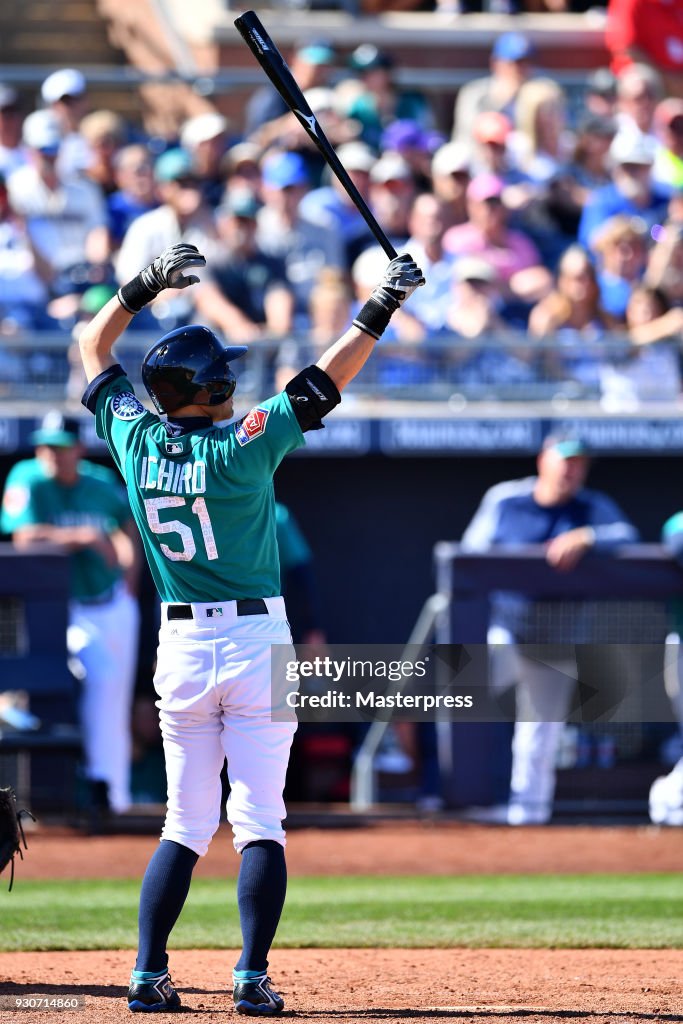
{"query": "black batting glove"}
pixel 166 271
pixel 400 280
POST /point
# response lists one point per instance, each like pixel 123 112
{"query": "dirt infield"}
pixel 427 847
pixel 352 986
pixel 348 986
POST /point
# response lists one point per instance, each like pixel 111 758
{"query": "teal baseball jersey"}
pixel 672 526
pixel 203 501
pixel 292 544
pixel 96 499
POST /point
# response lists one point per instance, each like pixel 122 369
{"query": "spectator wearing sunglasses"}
pixel 668 166
pixel 245 295
pixel 182 216
pixel 136 190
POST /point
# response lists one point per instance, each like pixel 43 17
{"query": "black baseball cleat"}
pixel 255 997
pixel 153 995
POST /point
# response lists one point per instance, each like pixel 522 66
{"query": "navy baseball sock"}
pixel 261 889
pixel 163 894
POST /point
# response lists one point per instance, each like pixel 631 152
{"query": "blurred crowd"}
pixel 547 223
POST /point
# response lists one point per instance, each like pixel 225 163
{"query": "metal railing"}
pixel 102 76
pixel 508 368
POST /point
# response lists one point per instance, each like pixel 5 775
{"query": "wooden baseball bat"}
pixel 273 63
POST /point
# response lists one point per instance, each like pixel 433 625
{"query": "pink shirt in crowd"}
pixel 518 253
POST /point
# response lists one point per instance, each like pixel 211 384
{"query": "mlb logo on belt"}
pixel 212 613
pixel 253 424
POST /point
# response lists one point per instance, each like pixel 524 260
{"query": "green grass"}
pixel 637 911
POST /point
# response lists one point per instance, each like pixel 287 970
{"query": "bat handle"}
pixel 386 245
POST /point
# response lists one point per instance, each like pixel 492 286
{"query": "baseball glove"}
pixel 11 831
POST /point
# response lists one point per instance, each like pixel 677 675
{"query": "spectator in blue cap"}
pixel 511 66
pixel 285 233
pixel 285 170
pixel 311 66
pixel 136 190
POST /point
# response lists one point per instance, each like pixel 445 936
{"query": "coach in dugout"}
pixel 553 508
pixel 666 792
pixel 62 499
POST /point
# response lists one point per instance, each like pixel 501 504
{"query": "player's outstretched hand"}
pixel 400 280
pixel 402 277
pixel 167 270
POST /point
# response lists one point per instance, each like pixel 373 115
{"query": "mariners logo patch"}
pixel 126 406
pixel 253 424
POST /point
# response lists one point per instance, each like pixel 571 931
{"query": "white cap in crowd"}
pixel 630 147
pixel 451 158
pixel 65 82
pixel 41 131
pixel 474 268
pixel 320 99
pixel 391 167
pixel 369 267
pixel 356 156
pixel 202 128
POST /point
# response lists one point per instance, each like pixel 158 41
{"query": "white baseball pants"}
pixel 543 700
pixel 213 679
pixel 102 640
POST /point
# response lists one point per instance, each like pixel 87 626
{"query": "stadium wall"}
pixel 374 592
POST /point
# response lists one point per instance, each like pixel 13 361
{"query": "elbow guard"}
pixel 312 394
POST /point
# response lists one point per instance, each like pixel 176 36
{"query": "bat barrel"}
pixel 271 60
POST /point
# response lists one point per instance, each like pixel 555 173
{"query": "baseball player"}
pixel 556 509
pixel 202 497
pixel 61 498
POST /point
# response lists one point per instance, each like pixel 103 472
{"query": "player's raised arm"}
pixel 343 360
pixel 166 271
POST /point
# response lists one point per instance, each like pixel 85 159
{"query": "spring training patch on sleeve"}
pixel 252 426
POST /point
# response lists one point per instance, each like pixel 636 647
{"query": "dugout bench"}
pixel 42 763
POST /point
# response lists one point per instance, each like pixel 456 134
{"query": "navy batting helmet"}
pixel 189 366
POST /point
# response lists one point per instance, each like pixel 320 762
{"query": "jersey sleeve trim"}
pixel 89 399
